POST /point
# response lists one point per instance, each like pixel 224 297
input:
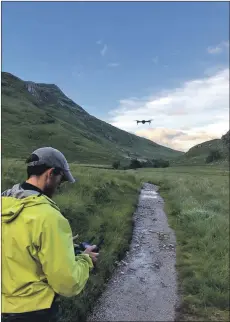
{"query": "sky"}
pixel 123 61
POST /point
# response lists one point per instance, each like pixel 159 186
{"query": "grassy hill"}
pixel 35 115
pixel 197 155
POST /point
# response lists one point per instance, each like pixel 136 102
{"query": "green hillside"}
pixel 197 155
pixel 35 115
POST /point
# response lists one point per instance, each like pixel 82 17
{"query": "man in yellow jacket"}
pixel 38 260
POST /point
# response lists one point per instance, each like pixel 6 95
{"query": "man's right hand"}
pixel 93 255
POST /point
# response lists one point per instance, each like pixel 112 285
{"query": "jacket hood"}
pixel 14 200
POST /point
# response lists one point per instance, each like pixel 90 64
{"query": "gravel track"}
pixel 144 285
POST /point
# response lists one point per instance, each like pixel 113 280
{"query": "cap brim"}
pixel 68 177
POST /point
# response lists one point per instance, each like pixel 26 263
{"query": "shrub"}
pixel 213 156
pixel 160 163
pixel 134 164
pixel 116 164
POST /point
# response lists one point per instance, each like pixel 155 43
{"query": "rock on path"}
pixel 144 286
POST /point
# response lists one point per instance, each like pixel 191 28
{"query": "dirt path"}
pixel 144 287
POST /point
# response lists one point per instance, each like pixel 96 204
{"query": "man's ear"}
pixel 50 172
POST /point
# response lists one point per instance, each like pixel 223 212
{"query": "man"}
pixel 38 260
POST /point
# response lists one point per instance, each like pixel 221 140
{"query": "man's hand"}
pixel 75 237
pixel 89 251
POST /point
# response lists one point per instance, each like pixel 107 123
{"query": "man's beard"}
pixel 49 191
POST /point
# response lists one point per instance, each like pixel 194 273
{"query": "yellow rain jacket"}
pixel 38 257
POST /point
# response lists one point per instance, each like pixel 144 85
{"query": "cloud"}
pixel 113 64
pixel 209 71
pixel 182 117
pixel 177 139
pixel 219 48
pixel 104 50
pixel 155 60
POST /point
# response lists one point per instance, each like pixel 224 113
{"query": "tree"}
pixel 134 164
pixel 116 164
pixel 160 163
pixel 214 155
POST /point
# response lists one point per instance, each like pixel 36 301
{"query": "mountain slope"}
pixel 35 115
pixel 198 154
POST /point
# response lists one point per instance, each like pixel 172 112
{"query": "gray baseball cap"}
pixel 54 159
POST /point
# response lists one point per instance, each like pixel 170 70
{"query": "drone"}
pixel 143 121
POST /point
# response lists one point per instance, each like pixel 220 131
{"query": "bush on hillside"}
pixel 147 164
pixel 213 156
pixel 135 164
pixel 116 165
pixel 160 163
pixel 155 163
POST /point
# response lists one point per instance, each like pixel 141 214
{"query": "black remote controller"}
pixel 82 247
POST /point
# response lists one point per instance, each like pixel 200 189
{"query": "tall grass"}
pixel 100 204
pixel 197 204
